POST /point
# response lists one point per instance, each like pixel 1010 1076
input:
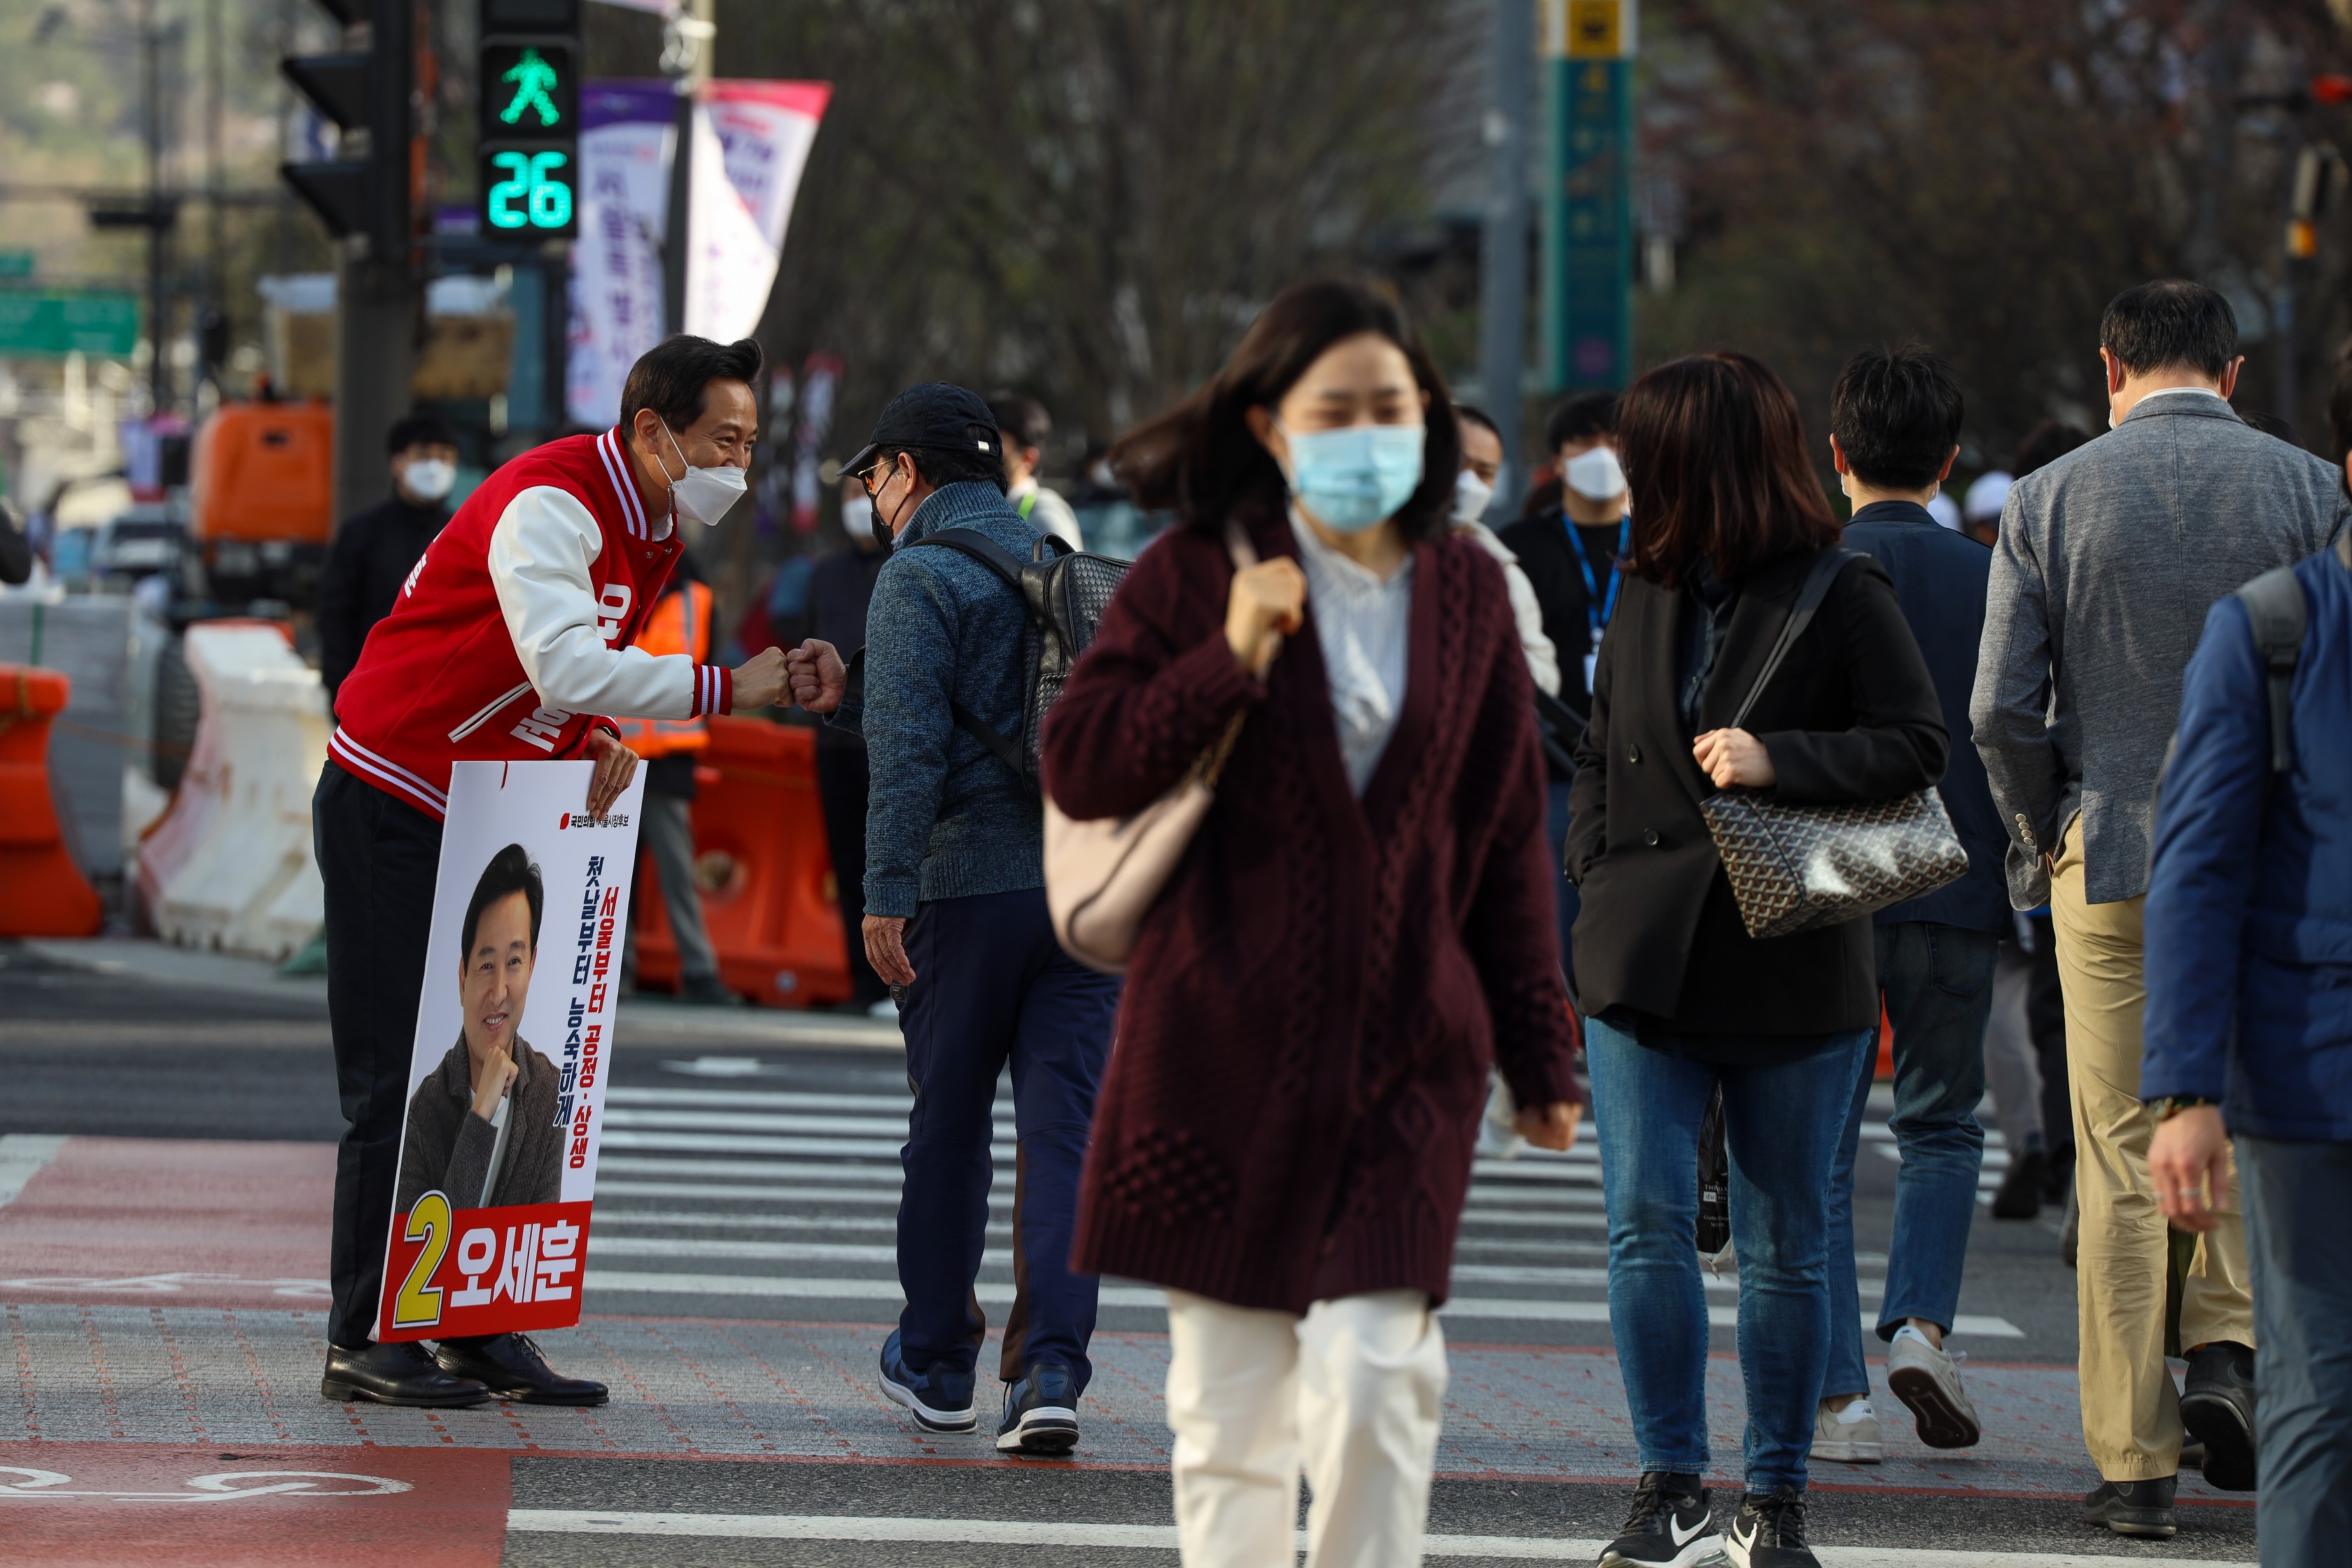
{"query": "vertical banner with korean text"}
pixel 751 140
pixel 627 131
pixel 514 1032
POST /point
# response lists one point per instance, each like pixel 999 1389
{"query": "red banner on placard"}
pixel 452 1274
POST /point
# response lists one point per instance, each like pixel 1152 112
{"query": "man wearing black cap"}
pixel 956 922
pixel 373 552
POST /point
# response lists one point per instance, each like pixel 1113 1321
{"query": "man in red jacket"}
pixel 510 641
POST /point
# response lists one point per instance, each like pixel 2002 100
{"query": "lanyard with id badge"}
pixel 1599 607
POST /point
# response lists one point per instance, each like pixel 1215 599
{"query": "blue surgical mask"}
pixel 1356 478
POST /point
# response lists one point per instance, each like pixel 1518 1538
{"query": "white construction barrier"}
pixel 230 866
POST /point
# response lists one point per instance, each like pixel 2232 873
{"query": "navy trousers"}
pixel 992 985
pixel 2295 1197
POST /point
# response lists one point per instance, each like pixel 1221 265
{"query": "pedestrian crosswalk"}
pixel 782 1183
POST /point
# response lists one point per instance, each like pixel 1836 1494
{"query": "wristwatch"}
pixel 2172 1106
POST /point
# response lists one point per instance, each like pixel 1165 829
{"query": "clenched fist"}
pixel 761 680
pixel 819 679
pixel 1266 603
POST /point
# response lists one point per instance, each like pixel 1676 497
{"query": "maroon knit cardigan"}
pixel 1301 1055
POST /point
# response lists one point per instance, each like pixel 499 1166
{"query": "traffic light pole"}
pixel 692 35
pixel 377 302
pixel 1503 247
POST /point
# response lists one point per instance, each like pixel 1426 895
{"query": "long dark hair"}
pixel 1200 459
pixel 1715 453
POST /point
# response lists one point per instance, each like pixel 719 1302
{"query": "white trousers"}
pixel 1352 1392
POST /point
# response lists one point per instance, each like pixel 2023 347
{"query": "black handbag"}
pixel 1799 867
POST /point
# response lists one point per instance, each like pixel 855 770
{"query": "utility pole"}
pixel 1503 247
pixel 689 42
pixel 159 303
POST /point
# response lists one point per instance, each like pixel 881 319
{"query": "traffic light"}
pixel 364 189
pixel 529 119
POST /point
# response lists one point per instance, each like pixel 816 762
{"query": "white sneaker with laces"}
pixel 1849 1437
pixel 1927 1379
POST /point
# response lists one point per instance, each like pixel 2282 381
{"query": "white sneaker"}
pixel 1849 1437
pixel 1926 1379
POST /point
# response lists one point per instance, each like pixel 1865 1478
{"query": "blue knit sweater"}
pixel 946 819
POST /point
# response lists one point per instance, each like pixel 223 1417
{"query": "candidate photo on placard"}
pixel 482 1126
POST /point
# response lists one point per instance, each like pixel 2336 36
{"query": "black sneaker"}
pixel 1670 1526
pixel 1041 1414
pixel 2217 1405
pixel 2020 1195
pixel 1768 1532
pixel 2133 1507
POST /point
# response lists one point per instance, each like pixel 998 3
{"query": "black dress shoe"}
pixel 2019 1194
pixel 397 1373
pixel 2133 1507
pixel 2217 1405
pixel 512 1367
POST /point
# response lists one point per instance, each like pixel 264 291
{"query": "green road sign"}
pixel 15 264
pixel 32 323
pixel 1587 210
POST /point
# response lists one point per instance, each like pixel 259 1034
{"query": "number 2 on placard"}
pixel 418 1305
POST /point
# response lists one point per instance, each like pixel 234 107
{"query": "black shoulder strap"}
pixel 981 548
pixel 988 735
pixel 1800 616
pixel 2276 611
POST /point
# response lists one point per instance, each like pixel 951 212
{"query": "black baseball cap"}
pixel 932 413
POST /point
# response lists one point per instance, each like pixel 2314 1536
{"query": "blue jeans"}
pixel 1781 1125
pixel 2296 1195
pixel 992 984
pixel 1938 980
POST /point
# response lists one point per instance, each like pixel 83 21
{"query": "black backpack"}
pixel 1066 591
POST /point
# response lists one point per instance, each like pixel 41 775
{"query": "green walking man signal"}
pixel 531 75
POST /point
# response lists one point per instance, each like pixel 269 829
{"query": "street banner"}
pixel 514 1035
pixel 628 134
pixel 751 142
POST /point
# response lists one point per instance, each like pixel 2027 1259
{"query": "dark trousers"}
pixel 379 860
pixel 2295 1198
pixel 841 785
pixel 992 985
pixel 2045 1021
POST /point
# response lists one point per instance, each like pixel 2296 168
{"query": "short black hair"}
pixel 944 466
pixel 2045 444
pixel 2171 322
pixel 509 872
pixel 1020 418
pixel 1580 419
pixel 1896 415
pixel 671 377
pixel 427 427
pixel 1469 414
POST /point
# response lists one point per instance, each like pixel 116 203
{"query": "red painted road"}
pixel 173 1222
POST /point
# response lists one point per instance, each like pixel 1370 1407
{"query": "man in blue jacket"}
pixel 956 922
pixel 1895 418
pixel 2249 1031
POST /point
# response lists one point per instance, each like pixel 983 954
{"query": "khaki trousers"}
pixel 2131 1411
pixel 1352 1390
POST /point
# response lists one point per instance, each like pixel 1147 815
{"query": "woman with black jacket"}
pixel 1728 518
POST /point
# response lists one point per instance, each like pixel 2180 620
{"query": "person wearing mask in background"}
pixel 1895 431
pixel 1473 493
pixel 1363 920
pixel 2249 1009
pixel 373 552
pixel 1572 553
pixel 2107 563
pixel 839 592
pixel 1980 509
pixel 2025 1043
pixel 1028 429
pixel 1729 522
pixel 508 642
pixel 956 920
pixel 671 748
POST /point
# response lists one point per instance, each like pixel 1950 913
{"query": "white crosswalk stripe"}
pixel 724 1190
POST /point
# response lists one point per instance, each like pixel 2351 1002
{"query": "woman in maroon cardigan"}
pixel 1362 924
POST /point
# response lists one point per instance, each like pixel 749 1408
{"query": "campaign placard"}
pixel 514 1033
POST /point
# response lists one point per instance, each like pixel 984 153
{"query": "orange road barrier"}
pixel 42 891
pixel 765 873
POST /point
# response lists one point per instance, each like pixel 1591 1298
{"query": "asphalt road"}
pixel 728 1191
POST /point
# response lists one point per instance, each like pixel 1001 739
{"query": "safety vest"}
pixel 680 623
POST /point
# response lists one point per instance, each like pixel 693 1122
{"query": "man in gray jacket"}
pixel 2108 562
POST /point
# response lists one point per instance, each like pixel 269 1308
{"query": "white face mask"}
pixel 429 478
pixel 706 495
pixel 1472 497
pixel 858 517
pixel 1595 474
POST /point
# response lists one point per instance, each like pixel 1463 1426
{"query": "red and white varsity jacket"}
pixel 511 639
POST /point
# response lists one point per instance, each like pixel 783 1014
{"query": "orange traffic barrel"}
pixel 765 874
pixel 42 891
